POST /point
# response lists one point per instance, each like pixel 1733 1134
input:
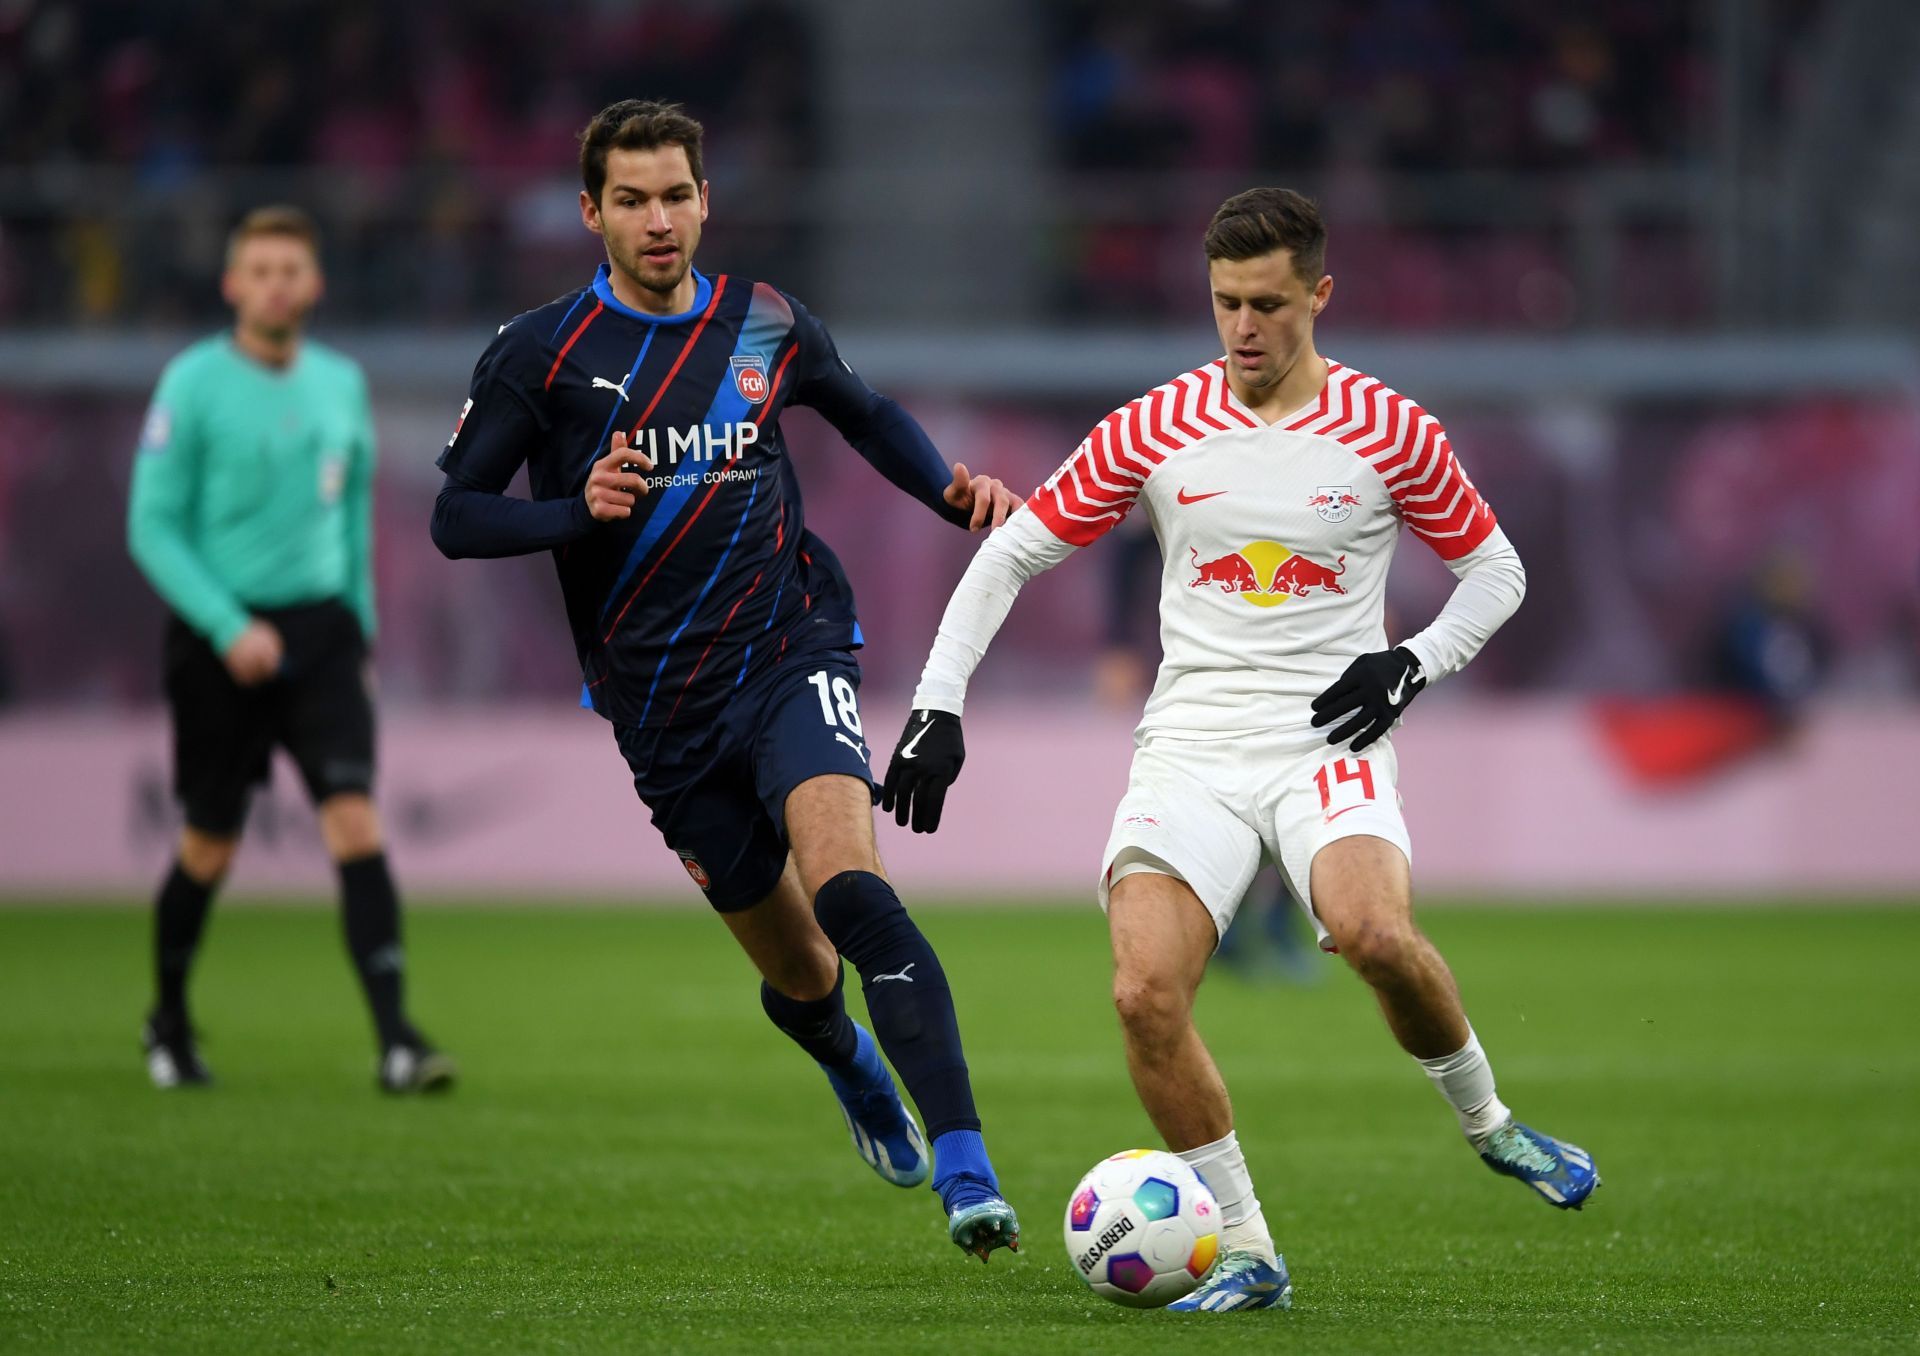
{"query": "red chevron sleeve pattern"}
pixel 1409 450
pixel 1096 487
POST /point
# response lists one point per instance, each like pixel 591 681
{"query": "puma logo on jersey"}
pixel 903 976
pixel 621 386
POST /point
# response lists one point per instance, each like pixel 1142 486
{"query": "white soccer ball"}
pixel 1142 1228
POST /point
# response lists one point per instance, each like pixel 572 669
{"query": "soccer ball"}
pixel 1142 1228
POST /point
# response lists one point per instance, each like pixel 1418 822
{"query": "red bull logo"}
pixel 1266 574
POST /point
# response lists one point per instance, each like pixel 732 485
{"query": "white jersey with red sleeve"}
pixel 1275 538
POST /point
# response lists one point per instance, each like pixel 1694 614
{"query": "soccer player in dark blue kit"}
pixel 716 633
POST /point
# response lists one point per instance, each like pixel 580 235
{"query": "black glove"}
pixel 1375 689
pixel 925 763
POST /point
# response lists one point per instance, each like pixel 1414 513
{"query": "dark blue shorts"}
pixel 718 793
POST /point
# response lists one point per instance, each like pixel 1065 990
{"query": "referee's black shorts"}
pixel 318 709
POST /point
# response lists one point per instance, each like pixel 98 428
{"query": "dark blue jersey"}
pixel 714 579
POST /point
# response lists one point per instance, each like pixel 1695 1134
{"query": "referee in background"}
pixel 251 515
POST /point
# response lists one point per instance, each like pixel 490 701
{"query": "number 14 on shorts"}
pixel 1345 784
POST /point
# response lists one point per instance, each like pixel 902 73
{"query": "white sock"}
pixel 1223 1168
pixel 1465 1079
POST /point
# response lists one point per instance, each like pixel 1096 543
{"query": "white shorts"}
pixel 1207 811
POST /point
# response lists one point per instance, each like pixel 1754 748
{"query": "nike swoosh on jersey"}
pixel 1186 498
pixel 1328 819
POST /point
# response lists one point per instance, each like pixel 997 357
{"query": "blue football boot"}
pixel 978 1216
pixel 1240 1280
pixel 884 1132
pixel 983 1226
pixel 1562 1173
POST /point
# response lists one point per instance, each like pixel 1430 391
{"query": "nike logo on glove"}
pixel 906 749
pixel 1186 498
pixel 1398 692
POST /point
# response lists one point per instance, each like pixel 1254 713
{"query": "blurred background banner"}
pixel 1525 799
pixel 1653 263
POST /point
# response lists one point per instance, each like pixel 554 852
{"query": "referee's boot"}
pixel 173 1060
pixel 411 1064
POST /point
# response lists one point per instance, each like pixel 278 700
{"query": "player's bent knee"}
pixel 350 826
pixel 1149 1007
pixel 204 856
pixel 807 976
pixel 1379 952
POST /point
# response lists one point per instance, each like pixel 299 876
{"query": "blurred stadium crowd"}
pixel 1492 165
pixel 429 137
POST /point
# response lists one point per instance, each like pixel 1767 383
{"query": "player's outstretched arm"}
pixel 892 442
pixel 886 436
pixel 927 758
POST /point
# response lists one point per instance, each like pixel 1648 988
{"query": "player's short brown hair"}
pixel 636 125
pixel 1263 220
pixel 276 219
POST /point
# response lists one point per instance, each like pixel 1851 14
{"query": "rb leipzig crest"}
pixel 1335 503
pixel 750 376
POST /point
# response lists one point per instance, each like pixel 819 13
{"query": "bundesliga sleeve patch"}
pixel 157 431
pixel 465 410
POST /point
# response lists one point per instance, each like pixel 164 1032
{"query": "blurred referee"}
pixel 251 515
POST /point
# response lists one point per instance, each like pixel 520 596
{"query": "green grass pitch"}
pixel 637 1161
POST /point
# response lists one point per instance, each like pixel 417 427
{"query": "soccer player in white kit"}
pixel 1277 483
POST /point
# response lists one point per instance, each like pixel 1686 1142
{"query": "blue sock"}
pixel 962 1172
pixel 863 1072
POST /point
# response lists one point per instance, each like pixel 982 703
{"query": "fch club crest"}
pixel 750 376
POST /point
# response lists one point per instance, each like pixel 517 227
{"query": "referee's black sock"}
pixel 179 916
pixel 371 908
pixel 906 992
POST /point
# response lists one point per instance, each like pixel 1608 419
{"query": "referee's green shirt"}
pixel 253 486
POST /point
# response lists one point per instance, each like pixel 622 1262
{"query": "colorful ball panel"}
pixel 1080 1213
pixel 1157 1199
pixel 1129 1272
pixel 1204 1251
